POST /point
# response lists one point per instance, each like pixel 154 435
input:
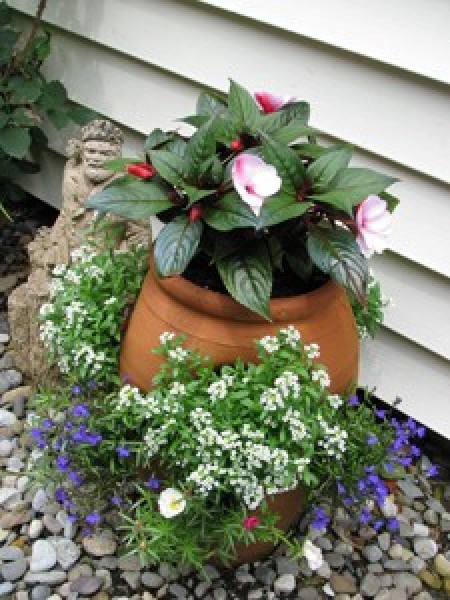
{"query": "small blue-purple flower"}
pixel 62 463
pixel 48 424
pixel 116 500
pixel 353 400
pixel 321 519
pixel 421 432
pixel 122 451
pixel 93 518
pixel 77 389
pixel 153 483
pixel 380 413
pixel 61 495
pixel 341 488
pixel 392 524
pixel 372 439
pixel 432 471
pixel 80 411
pixel 75 478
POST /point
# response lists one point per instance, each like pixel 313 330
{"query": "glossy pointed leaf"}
pixel 169 166
pixel 230 212
pixel 242 107
pixel 323 170
pixel 279 208
pixel 175 246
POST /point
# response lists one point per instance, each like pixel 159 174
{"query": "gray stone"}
pixel 431 517
pixel 394 594
pixel 410 583
pixel 406 530
pixel 67 552
pixel 43 556
pixel 370 585
pixel 130 563
pixel 12 519
pixel 9 379
pixel 343 548
pixel 52 524
pixel 420 530
pixel 6 447
pixel 35 529
pixel 6 588
pixel 201 588
pixel 14 464
pixel 220 594
pixel 10 553
pixel 309 593
pixel 417 564
pixel 8 494
pixel 396 551
pixel 395 564
pixel 385 580
pixel 100 545
pixel 80 570
pixel 86 586
pixel 7 418
pixel 287 566
pixel 4 337
pixel 210 572
pixel 108 562
pixel 336 561
pixel 40 592
pixel 426 548
pixel 50 577
pixel 7 361
pixel 324 543
pixel 376 568
pixel 285 584
pixel 39 499
pixel 372 553
pixel 442 565
pixel 132 578
pixel 168 571
pixel 244 577
pixel 14 570
pixel 384 541
pixel 177 590
pixel 255 594
pixel 265 574
pixel 423 596
pixel 410 489
pixel 324 570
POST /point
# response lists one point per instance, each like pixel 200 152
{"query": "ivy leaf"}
pixel 15 141
pixel 132 199
pixel 323 170
pixel 352 185
pixel 54 95
pixel 242 107
pixel 24 91
pixel 176 245
pixel 335 251
pixel 170 166
pixel 247 276
pixel 82 114
pixel 281 207
pixel 230 212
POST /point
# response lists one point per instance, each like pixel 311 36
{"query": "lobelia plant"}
pixel 189 463
pixel 253 203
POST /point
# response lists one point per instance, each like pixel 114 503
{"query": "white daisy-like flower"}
pixel 171 503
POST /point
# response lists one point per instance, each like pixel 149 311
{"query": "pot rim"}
pixel 220 305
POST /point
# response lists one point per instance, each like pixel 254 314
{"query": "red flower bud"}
pixel 195 213
pixel 236 144
pixel 142 170
pixel 250 523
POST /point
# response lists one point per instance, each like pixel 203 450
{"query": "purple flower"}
pixel 122 451
pixel 153 483
pixel 421 432
pixel 36 433
pixel 47 424
pixel 432 471
pixel 72 518
pixel 93 518
pixel 353 400
pixel 62 463
pixel 76 389
pixel 75 478
pixel 388 467
pixel 411 425
pixel 405 461
pixel 92 384
pixel 373 479
pixel 378 524
pixel 372 439
pixel 415 451
pixel 81 411
pixel 116 500
pixel 380 413
pixel 41 444
pixel 86 532
pixel 348 500
pixel 321 519
pixel 392 524
pixel 61 495
pixel 68 425
pixel 361 485
pixel 370 469
pixel 340 488
pixel 365 517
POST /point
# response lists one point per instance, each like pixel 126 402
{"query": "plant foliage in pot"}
pixel 261 223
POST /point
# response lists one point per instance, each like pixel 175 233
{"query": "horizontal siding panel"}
pixel 46 184
pixel 398 368
pixel 384 31
pixel 141 97
pixel 381 109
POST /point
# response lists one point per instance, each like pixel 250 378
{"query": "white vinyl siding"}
pixel 375 74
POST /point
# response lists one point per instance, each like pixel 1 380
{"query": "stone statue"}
pixel 84 174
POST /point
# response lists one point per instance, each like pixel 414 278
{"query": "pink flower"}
pixel 374 225
pixel 254 180
pixel 250 523
pixel 272 102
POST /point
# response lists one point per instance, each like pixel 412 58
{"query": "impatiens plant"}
pixel 252 202
pixel 191 464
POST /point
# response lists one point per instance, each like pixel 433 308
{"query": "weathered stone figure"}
pixel 84 173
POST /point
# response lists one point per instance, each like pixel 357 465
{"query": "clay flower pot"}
pixel 219 327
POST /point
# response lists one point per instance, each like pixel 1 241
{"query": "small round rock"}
pixel 285 584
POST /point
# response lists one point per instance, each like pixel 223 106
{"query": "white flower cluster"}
pixel 86 355
pixel 178 354
pixel 335 439
pixel 297 428
pixel 286 385
pixel 335 401
pixel 219 389
pixel 270 343
pixel 291 335
pixel 322 377
pixel 166 337
pixel 312 351
pixel 128 396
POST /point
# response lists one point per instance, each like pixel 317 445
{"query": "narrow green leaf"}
pixel 196 194
pixel 310 150
pixel 335 251
pixel 247 276
pixel 230 212
pixel 134 199
pixel 195 120
pixel 292 132
pixel 82 114
pixel 323 170
pixel 274 121
pixel 287 163
pixel 242 107
pixel 15 141
pixel 200 147
pixel 210 103
pixel 54 95
pixel 176 245
pixel 170 166
pixel 281 207
pixel 156 138
pixel 391 201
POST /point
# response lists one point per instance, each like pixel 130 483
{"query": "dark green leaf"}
pixel 300 262
pixel 335 251
pixel 5 14
pixel 242 107
pixel 310 150
pixel 15 141
pixel 81 114
pixel 58 117
pixel 4 118
pixel 119 165
pixel 225 130
pixel 210 103
pixel 276 252
pixel 156 138
pixel 170 166
pixel 211 171
pixel 176 146
pixel 323 170
pixel 391 201
pixel 288 165
pixel 200 147
pixel 281 207
pixel 352 185
pixel 195 120
pixel 274 121
pixel 24 91
pixel 22 117
pixel 53 95
pixel 40 47
pixel 293 131
pixel 196 194
pixel 230 212
pixel 175 246
pixel 8 39
pixel 135 199
pixel 248 277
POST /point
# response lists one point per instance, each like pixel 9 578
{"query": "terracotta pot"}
pixel 288 506
pixel 221 328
